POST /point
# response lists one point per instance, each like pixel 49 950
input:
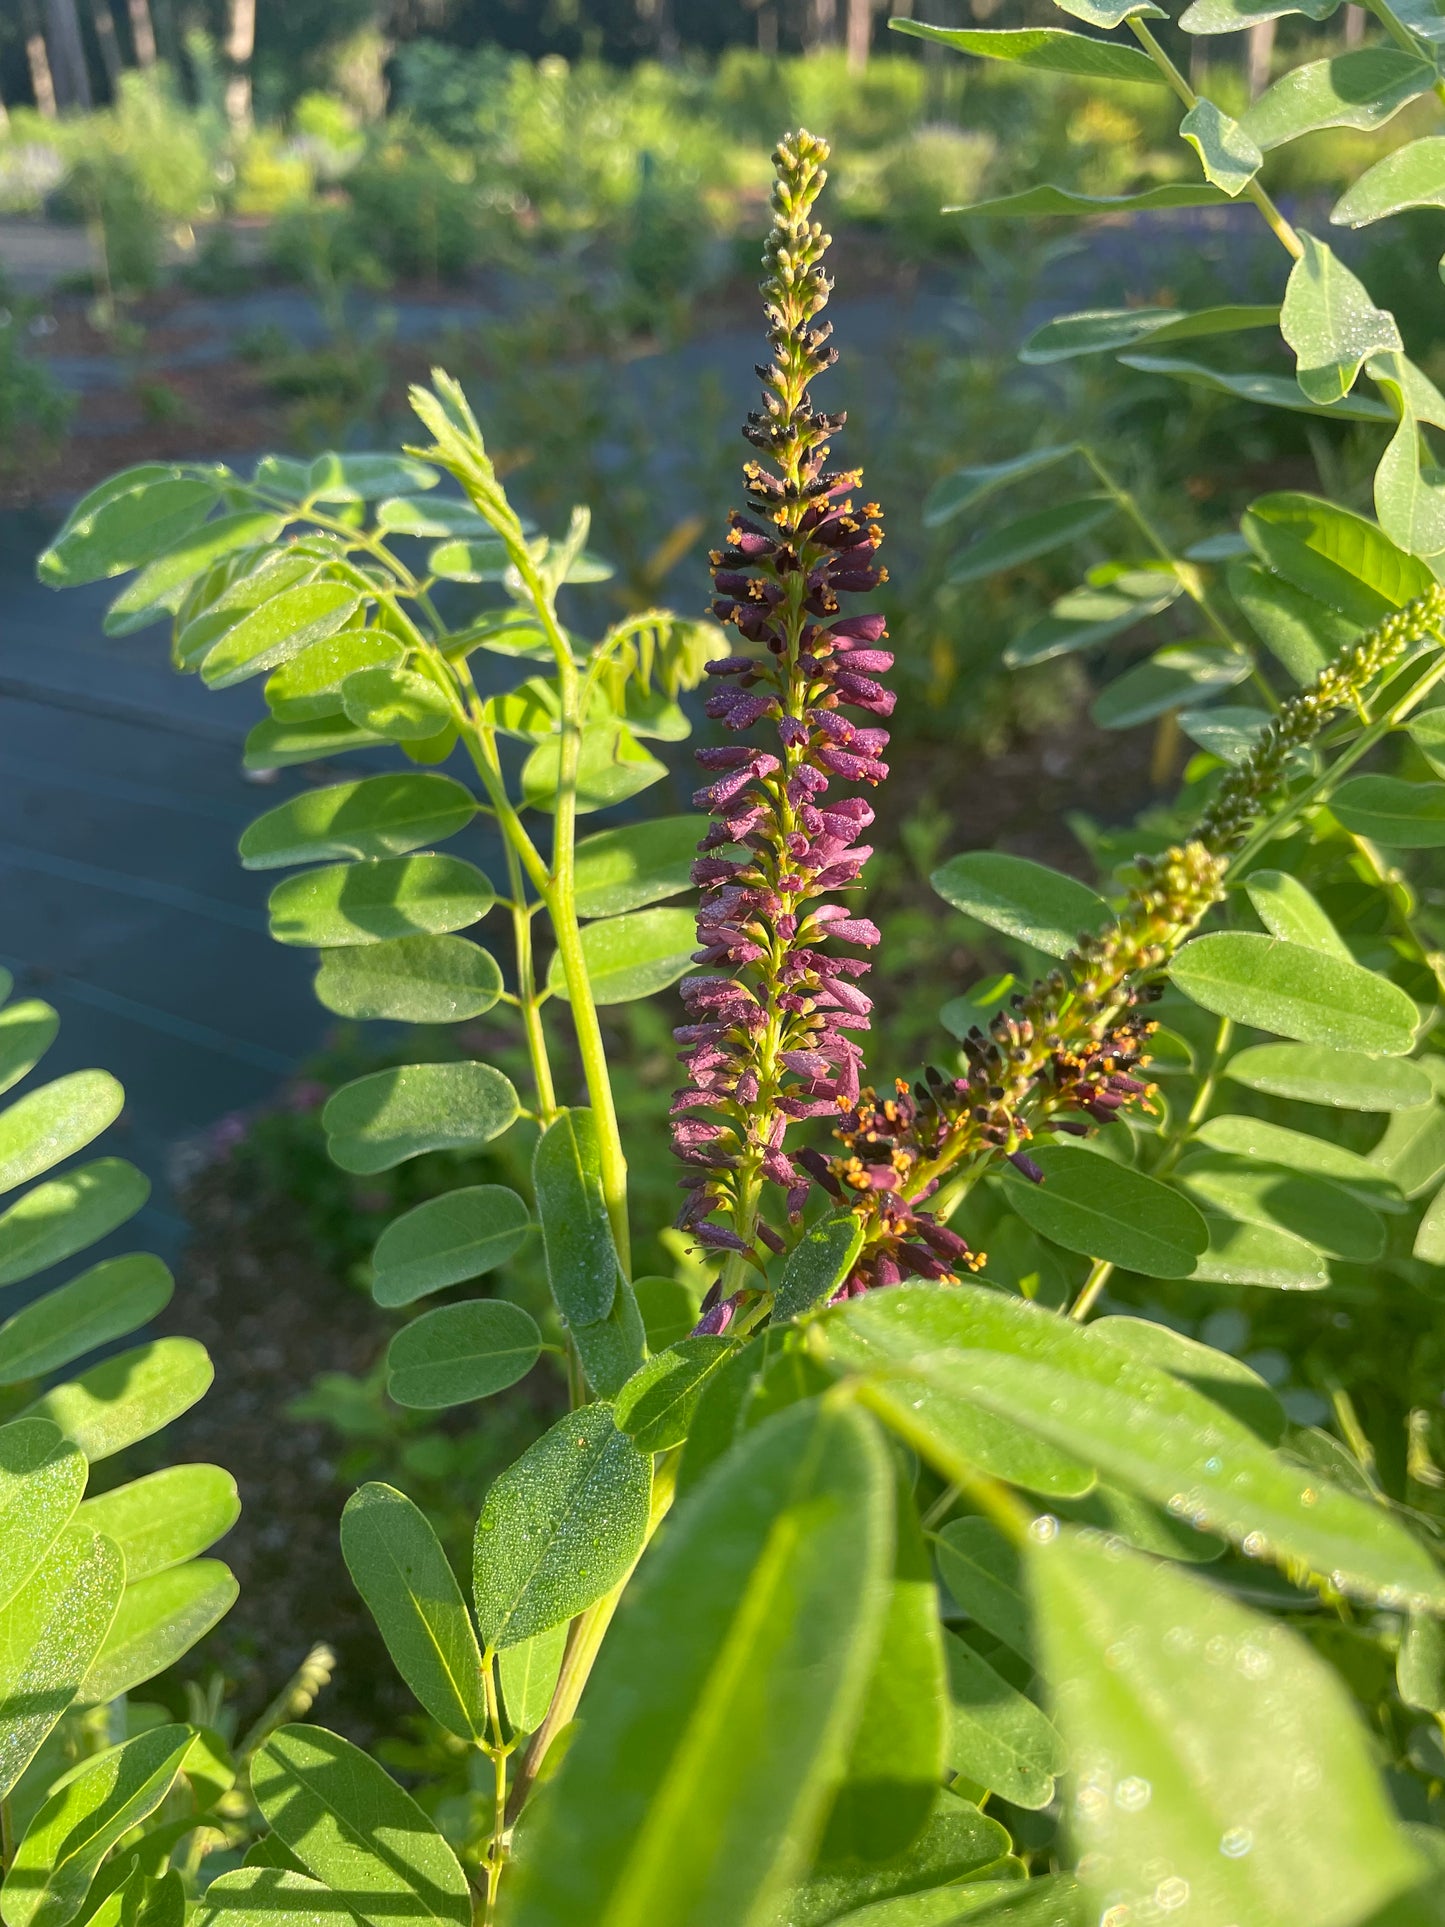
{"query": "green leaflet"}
pixel 612 1349
pixel 582 1264
pixel 1228 153
pixel 165 1518
pixel 897 1759
pixel 998 1738
pixel 1218 1375
pixel 612 766
pixel 528 1672
pixel 129 1396
pixel 308 688
pixel 1412 176
pixel 158 1621
pixel 668 1308
pixel 385 1118
pixel 1255 1254
pixel 1346 1080
pixel 353 477
pixel 981 1571
pixel 1363 88
pixel 26 1032
pixel 261 1896
pixel 1100 330
pixel 628 868
pixel 276 745
pixel 447 1240
pixel 107 1302
pixel 402 1573
pixel 655 1406
pixel 1411 1154
pixel 126 522
pixel 1296 991
pixel 55 1122
pixel 55 1220
pixel 1262 390
pixel 1180 673
pixel 1320 1213
pixel 410 980
pixel 376 817
pixel 956 1845
pixel 284 625
pixel 349 1823
pixel 1089 1204
pixel 1299 630
pixel 1034 202
pixel 1028 537
pixel 461 1352
pixel 968 486
pixel 926 1352
pixel 371 902
pixel 396 704
pixel 42 1475
pixel 560 1527
pixel 1254 1137
pixel 50 1631
pixel 1051 49
pixel 92 1808
pixel 1405 816
pixel 1026 900
pixel 1287 910
pixel 632 956
pixel 818 1264
pixel 724 1701
pixel 1177 1745
pixel 1334 555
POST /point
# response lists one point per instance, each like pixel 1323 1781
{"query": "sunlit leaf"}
pixel 461 1352
pixel 129 1395
pixel 376 816
pixel 559 1527
pixel 1106 1210
pixel 373 902
pixel 159 1620
pixel 166 1517
pixel 1026 900
pixel 1296 991
pixel 411 980
pixel 383 1119
pixel 998 1738
pixel 56 1219
pixel 632 956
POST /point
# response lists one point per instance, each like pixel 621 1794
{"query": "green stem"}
pixel 1276 222
pixel 1394 887
pixel 1203 1098
pixel 528 1002
pixel 497 1753
pixel 1099 1275
pixel 1187 578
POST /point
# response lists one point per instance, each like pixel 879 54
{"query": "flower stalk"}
pixel 768 1041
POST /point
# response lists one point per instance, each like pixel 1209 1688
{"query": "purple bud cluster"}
pixel 773 1009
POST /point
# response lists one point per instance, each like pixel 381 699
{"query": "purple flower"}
pixel 768 1044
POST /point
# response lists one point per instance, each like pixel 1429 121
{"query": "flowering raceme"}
pixel 768 1039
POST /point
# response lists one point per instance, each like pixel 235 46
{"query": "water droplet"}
pixel 1044 1529
pixel 1236 1843
pixel 1172 1893
pixel 1214 1464
pixel 1255 1545
pixel 1133 1795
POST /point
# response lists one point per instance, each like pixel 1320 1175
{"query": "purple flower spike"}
pixel 767 1044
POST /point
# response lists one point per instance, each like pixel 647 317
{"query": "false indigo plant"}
pixel 824 1603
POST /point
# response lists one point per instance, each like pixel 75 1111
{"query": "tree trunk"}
pixel 860 33
pixel 143 33
pixel 67 51
pixel 1354 25
pixel 240 45
pixel 104 21
pixel 42 81
pixel 821 29
pixel 1259 53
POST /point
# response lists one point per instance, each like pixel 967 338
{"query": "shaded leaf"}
pixel 1028 537
pixel 1411 176
pixel 129 1395
pixel 55 1220
pixel 998 1738
pixel 628 868
pixel 818 1264
pixel 1105 1210
pixel 1360 88
pixel 656 1405
pixel 632 956
pixel 582 1262
pixel 446 1240
pixel 1346 1080
pixel 461 1352
pixel 107 1302
pixel 1100 330
pixel 1228 153
pixel 1026 900
pixel 400 1570
pixel 1261 390
pixel 55 1122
